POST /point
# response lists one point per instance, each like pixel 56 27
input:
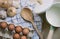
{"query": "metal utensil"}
pixel 53 17
pixel 26 13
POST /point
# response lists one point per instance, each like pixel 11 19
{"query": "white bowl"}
pixel 53 15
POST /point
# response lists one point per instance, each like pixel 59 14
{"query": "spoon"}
pixel 26 14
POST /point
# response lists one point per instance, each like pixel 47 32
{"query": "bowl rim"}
pixel 47 11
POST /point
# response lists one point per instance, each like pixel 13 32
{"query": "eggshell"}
pixel 25 31
pixel 18 29
pixel 16 36
pixel 11 27
pixel 23 37
pixel 3 25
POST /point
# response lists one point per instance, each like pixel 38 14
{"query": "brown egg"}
pixel 16 36
pixel 23 37
pixel 11 27
pixel 18 29
pixel 25 31
pixel 3 25
pixel 11 11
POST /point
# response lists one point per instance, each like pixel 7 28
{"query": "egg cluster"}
pixel 20 33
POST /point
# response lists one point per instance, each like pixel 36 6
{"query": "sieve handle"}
pixel 50 35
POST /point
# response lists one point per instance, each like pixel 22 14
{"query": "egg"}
pixel 11 12
pixel 26 31
pixel 16 36
pixel 18 29
pixel 3 25
pixel 11 27
pixel 23 37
